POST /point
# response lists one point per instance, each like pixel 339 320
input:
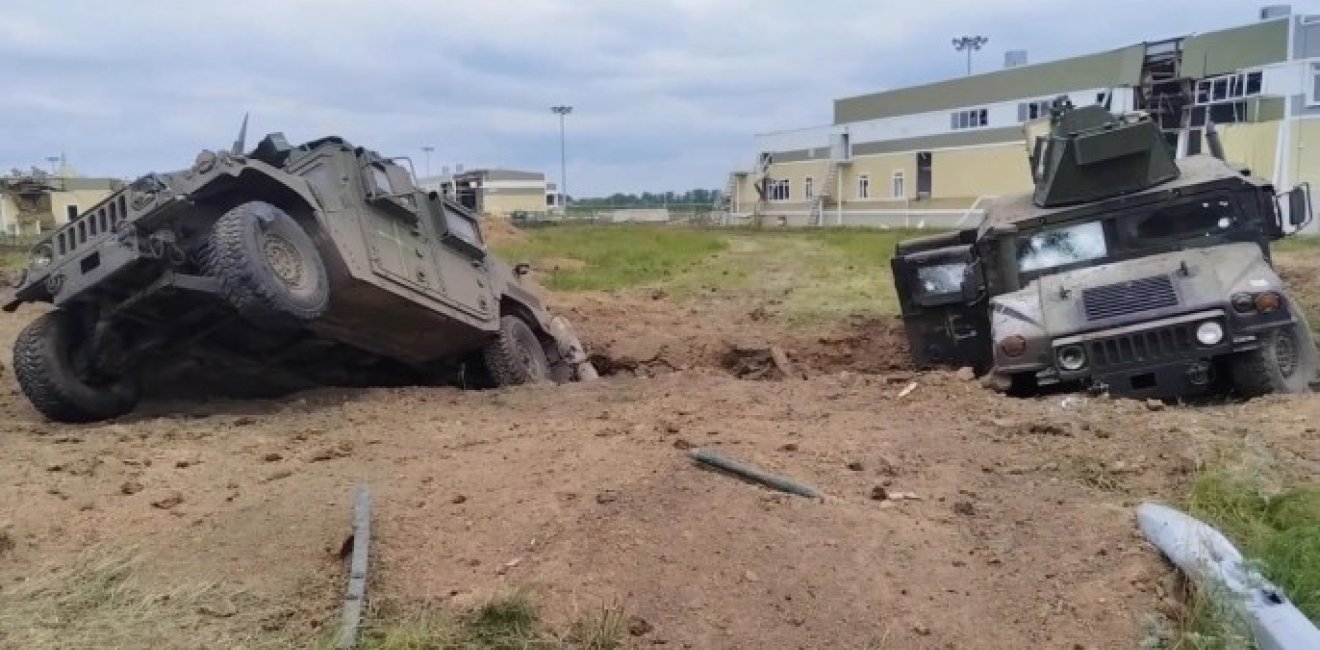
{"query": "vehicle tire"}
pixel 1284 363
pixel 515 356
pixel 44 367
pixel 268 267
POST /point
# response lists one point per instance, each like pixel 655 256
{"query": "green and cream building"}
pixel 931 155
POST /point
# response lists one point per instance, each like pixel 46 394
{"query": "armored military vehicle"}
pixel 1124 271
pixel 323 260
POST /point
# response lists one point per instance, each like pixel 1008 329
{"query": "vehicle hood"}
pixel 1201 278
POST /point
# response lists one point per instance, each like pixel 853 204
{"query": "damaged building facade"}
pixel 498 192
pixel 930 155
pixel 35 201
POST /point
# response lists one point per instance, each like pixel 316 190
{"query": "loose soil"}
pixel 956 518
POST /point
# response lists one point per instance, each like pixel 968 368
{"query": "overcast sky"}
pixel 666 94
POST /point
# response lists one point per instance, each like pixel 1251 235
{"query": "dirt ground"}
pixel 956 518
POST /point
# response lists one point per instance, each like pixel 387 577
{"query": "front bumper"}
pixel 1157 359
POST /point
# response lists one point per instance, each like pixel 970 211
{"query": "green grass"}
pixel 805 276
pixel 617 256
pixel 509 622
pixel 1280 532
pixel 1297 243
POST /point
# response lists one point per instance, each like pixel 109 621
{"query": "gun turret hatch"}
pixel 1091 154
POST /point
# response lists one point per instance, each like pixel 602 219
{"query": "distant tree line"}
pixel 649 199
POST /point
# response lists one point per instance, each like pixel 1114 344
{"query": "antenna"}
pixel 241 143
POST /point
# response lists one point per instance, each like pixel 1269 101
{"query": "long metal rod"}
pixel 754 474
pixel 563 165
pixel 357 569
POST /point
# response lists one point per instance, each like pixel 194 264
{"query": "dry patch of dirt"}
pixel 499 231
pixel 955 517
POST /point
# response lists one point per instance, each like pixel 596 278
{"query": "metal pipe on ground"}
pixel 356 593
pixel 754 474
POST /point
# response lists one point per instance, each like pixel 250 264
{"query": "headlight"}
pixel 1072 357
pixel 1209 333
pixel 1243 303
pixel 1267 302
pixel 1013 346
pixel 42 256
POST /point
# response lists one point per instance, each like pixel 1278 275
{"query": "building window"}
pixel 896 185
pixel 1028 111
pixel 779 189
pixel 863 187
pixel 974 118
pixel 1315 83
pixel 1228 87
pixel 70 212
pixel 809 188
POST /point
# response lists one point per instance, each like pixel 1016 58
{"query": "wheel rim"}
pixel 284 260
pixel 1285 353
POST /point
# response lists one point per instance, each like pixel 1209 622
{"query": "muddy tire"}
pixel 268 267
pixel 1284 363
pixel 44 365
pixel 515 355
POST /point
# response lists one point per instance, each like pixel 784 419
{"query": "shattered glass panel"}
pixel 941 278
pixel 1053 248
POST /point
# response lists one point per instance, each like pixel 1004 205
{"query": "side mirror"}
pixel 1299 206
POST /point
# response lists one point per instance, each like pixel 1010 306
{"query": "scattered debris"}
pixel 964 508
pixel 130 488
pixel 965 373
pixel 608 496
pixel 879 493
pixel 781 362
pixel 168 502
pixel 458 499
pixel 1154 405
pixel 907 390
pixel 638 626
pixel 904 496
pixel 856 466
pixel 272 457
pixel 355 595
pixel 511 564
pixel 751 473
pixel 788 447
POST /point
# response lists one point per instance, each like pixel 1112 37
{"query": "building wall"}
pixel 1252 144
pixel 1304 155
pixel 504 202
pixel 980 171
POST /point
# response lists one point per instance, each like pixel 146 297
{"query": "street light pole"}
pixel 427 150
pixel 562 111
pixel 969 44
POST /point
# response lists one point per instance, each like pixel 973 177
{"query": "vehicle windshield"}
pixel 942 278
pixel 1167 227
pixel 1062 246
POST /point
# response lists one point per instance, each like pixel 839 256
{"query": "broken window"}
pixel 1062 246
pixel 1229 87
pixel 941 278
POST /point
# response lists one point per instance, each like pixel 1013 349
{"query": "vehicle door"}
pixel 397 240
pixel 941 294
pixel 461 258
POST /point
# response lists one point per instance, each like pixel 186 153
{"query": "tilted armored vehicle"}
pixel 323 260
pixel 1125 271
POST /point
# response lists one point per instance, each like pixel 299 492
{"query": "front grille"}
pixel 1130 297
pixel 1143 347
pixel 89 226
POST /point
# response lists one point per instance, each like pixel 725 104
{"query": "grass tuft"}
pixel 1280 532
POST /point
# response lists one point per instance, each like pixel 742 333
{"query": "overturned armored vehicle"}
pixel 323 261
pixel 1125 271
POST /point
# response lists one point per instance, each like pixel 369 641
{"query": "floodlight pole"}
pixel 562 111
pixel 969 44
pixel 427 150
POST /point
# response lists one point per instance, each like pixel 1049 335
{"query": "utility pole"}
pixel 427 150
pixel 562 111
pixel 969 44
pixel 54 167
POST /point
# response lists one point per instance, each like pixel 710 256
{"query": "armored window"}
pixel 381 179
pixel 1189 220
pixel 463 228
pixel 1061 247
pixel 896 189
pixel 863 187
pixel 941 278
pixel 808 188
